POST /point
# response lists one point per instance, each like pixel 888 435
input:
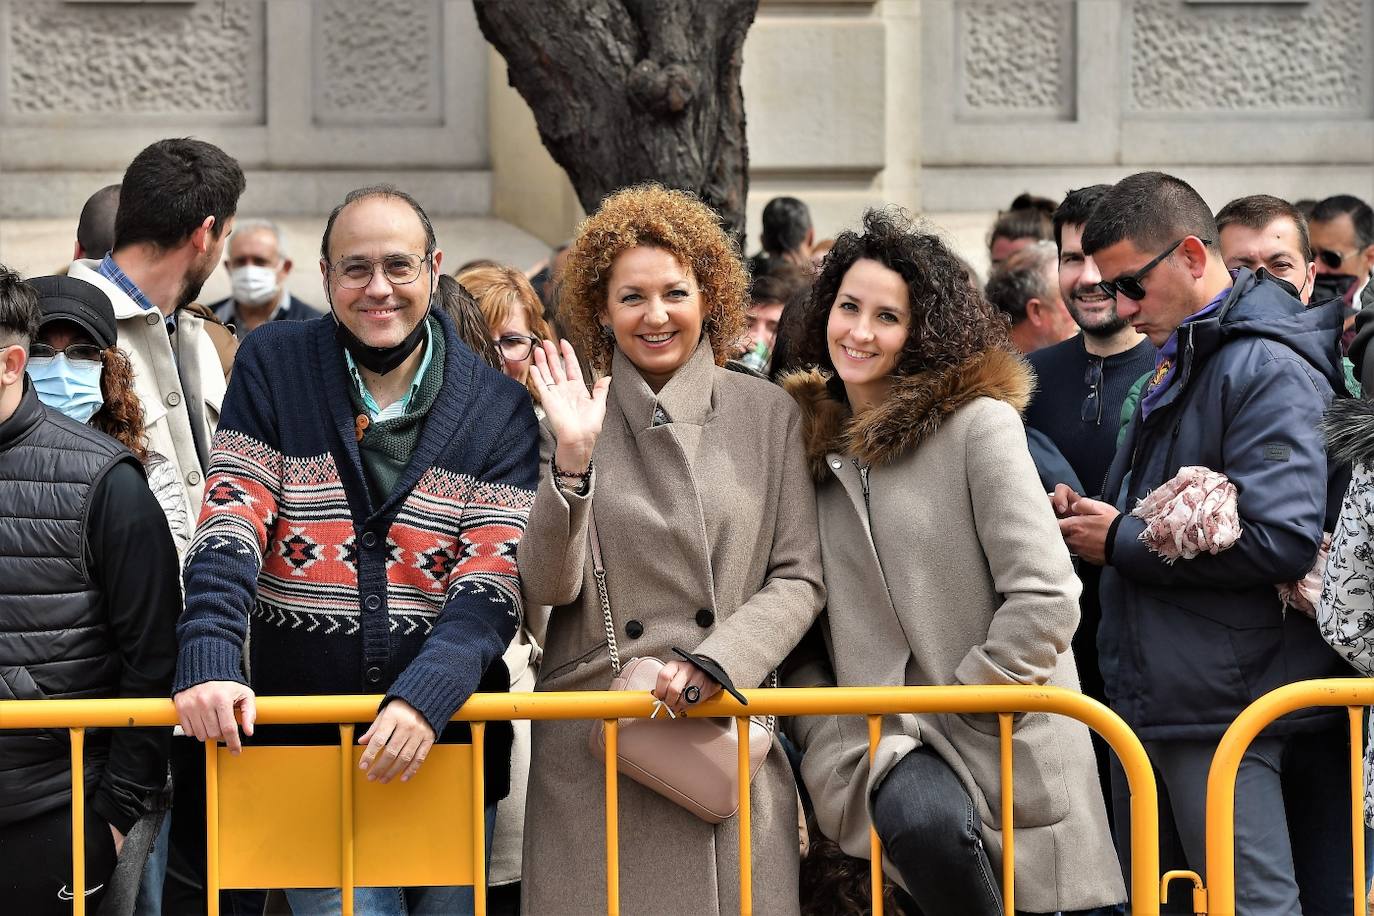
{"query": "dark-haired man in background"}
pixel 176 206
pixel 1342 233
pixel 787 234
pixel 1266 231
pixel 1081 385
pixel 95 228
pixel 1243 369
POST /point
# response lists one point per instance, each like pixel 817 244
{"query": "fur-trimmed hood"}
pixel 911 414
pixel 1349 429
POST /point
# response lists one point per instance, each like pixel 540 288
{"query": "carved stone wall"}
pixel 201 60
pixel 378 60
pixel 1236 96
pixel 1013 57
pixel 1303 57
pixel 313 97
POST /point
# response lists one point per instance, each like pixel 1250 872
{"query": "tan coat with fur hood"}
pixel 950 570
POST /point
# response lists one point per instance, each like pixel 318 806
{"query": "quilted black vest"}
pixel 54 637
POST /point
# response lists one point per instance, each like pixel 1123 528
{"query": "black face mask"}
pixel 381 360
pixel 1332 286
pixel 1283 284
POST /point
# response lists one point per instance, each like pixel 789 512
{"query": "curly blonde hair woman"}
pixel 707 527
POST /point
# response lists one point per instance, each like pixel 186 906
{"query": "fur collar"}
pixel 912 413
pixel 1349 429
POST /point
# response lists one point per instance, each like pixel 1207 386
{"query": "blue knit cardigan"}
pixel 416 597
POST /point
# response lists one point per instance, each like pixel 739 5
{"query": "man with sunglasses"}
pixel 1342 231
pixel 369 484
pixel 89 597
pixel 1244 373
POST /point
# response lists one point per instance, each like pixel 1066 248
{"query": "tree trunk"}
pixel 625 91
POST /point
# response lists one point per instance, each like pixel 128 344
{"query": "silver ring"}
pixel 692 694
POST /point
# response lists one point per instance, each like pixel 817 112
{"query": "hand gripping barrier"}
pixel 1219 898
pixel 370 837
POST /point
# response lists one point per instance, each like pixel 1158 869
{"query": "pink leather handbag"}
pixel 692 761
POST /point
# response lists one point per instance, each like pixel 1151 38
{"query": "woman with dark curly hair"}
pixel 706 524
pixel 77 369
pixel 942 567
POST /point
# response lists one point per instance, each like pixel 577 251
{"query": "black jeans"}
pixel 929 831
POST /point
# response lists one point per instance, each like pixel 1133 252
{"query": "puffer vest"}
pixel 55 641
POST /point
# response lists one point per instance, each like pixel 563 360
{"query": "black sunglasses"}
pixel 1332 259
pixel 1091 412
pixel 1129 285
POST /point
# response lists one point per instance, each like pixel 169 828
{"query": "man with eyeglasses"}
pixel 1244 372
pixel 369 485
pixel 89 597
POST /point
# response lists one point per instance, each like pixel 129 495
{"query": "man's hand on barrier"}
pixel 397 743
pixel 207 711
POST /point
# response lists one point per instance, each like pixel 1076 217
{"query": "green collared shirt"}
pixel 400 407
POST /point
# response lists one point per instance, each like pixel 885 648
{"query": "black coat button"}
pixel 369 540
pixel 705 617
pixel 634 629
pixel 372 602
pixel 374 675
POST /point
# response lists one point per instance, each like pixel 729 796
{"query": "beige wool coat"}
pixel 181 392
pixel 707 523
pixel 951 570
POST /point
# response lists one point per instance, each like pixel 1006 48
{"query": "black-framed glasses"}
pixel 1091 412
pixel 75 353
pixel 515 347
pixel 398 269
pixel 1331 258
pixel 1129 285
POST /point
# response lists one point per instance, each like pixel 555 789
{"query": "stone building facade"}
pixel 945 106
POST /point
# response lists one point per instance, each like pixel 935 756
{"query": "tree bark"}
pixel 625 91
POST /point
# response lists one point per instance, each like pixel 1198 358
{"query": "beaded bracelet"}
pixel 583 479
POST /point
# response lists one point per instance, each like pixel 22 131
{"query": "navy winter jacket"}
pixel 1184 648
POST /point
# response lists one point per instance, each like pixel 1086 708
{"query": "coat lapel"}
pixel 652 471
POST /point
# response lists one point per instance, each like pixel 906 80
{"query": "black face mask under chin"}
pixel 1331 286
pixel 380 360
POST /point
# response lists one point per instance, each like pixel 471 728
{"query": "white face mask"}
pixel 253 285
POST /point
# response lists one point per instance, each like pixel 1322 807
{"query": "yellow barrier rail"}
pixel 1352 693
pixel 871 702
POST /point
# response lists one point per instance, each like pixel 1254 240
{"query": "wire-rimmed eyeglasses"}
pixel 397 269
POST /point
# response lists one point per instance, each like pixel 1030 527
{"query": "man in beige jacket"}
pixel 176 205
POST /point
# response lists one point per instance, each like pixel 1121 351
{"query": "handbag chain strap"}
pixel 599 571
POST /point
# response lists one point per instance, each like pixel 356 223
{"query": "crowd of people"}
pixel 1134 462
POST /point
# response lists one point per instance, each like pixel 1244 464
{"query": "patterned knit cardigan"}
pixel 415 597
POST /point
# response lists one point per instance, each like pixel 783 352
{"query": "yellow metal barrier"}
pixel 872 702
pixel 1352 693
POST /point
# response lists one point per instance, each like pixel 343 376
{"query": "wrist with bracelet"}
pixel 582 478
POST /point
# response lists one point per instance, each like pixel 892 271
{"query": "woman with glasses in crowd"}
pixel 696 484
pixel 77 369
pixel 514 314
pixel 513 324
pixel 943 566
